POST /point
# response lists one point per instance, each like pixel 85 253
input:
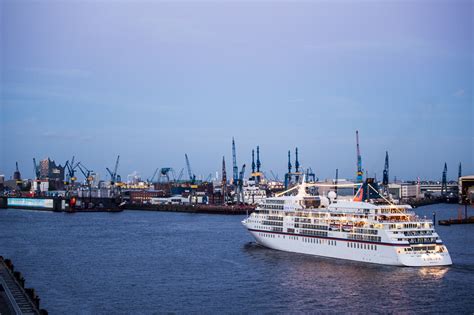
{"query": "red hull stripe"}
pixel 340 239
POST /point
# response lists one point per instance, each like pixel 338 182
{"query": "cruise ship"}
pixel 348 229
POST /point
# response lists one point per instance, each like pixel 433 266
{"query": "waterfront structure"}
pixel 347 229
pixel 432 188
pixel 466 189
pixel 49 170
pixel 405 191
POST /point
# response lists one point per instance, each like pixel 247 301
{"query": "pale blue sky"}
pixel 154 80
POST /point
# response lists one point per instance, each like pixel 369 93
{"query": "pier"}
pixel 14 297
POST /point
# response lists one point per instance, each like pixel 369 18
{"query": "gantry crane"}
pixel 235 168
pixel 71 171
pixel 192 177
pixel 114 177
pixel 359 173
pixel 150 181
pixel 385 175
pixel 240 186
pixel 87 174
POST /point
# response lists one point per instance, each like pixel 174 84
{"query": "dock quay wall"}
pixel 15 298
pixel 194 208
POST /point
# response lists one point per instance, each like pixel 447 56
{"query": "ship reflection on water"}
pixel 433 272
pixel 328 284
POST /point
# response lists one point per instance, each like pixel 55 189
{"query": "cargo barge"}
pixel 469 220
pixel 194 208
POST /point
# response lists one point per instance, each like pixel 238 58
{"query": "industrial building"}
pixel 466 189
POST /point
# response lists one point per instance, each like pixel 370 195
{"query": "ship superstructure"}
pixel 347 229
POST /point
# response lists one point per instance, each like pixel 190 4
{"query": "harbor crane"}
pixel 359 173
pixel 114 178
pixel 17 177
pixel 310 176
pixel 192 177
pixel 444 182
pixel 275 176
pixel 153 176
pixel 164 174
pixel 235 168
pixel 253 161
pixel 256 175
pixel 293 175
pixel 224 182
pixel 180 175
pixel 297 164
pixel 258 160
pixel 87 174
pixel 385 174
pixel 240 186
pixel 17 174
pixel 71 171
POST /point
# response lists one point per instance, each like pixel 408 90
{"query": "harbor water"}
pixel 148 262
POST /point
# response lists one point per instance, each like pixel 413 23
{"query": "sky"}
pixel 153 80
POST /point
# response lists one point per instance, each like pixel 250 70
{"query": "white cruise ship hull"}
pixel 339 248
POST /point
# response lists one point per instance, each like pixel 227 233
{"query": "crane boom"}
pixel 359 160
pixel 385 171
pixel 258 159
pixel 242 173
pixel 116 166
pixel 154 174
pixel 188 167
pixel 235 169
pixel 36 169
pixel 253 161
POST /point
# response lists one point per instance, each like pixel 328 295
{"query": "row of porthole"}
pixel 267 235
pixel 362 246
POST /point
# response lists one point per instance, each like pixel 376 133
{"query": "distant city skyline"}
pixel 152 81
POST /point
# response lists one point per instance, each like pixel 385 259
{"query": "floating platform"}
pixel 469 220
pixel 60 204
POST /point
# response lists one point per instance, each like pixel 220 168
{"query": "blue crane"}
pixel 87 174
pixel 359 173
pixel 113 175
pixel 192 177
pixel 153 176
pixel 444 182
pixel 385 171
pixel 71 170
pixel 240 184
pixel 235 169
pixel 253 161
pixel 258 159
